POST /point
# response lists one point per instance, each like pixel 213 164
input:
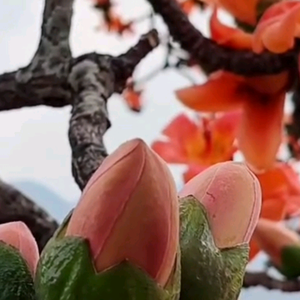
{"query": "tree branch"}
pixel 93 79
pixel 211 56
pixel 56 79
pixel 270 283
pixel 17 207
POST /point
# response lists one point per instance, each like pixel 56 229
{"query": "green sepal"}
pixel 60 232
pixel 207 273
pixel 66 272
pixel 290 262
pixel 16 282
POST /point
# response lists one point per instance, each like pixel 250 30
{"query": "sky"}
pixel 33 141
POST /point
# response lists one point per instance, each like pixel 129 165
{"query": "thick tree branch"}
pixel 17 207
pixel 93 84
pixel 56 79
pixel 93 79
pixel 44 80
pixel 270 283
pixel 213 57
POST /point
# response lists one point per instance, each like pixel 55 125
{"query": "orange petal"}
pixel 171 152
pixel 293 206
pixel 242 10
pixel 219 93
pixel 254 249
pixel 180 128
pixel 281 176
pixel 227 36
pixel 261 130
pixel 183 134
pixel 187 6
pixel 224 131
pixel 278 28
pixel 270 84
pixel 291 177
pixel 192 171
pixel 272 209
pixel 133 99
pixel 227 123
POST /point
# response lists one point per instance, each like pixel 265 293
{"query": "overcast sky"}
pixel 33 141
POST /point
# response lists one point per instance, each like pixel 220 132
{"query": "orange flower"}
pixel 245 11
pixel 133 98
pixel 261 122
pixel 228 36
pixel 278 28
pixel 187 6
pixel 115 24
pixel 260 97
pixel 203 142
pixel 282 182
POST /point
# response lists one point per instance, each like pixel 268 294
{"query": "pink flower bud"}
pixel 231 195
pixel 129 211
pixel 18 235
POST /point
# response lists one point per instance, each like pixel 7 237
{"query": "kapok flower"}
pixel 232 197
pixel 282 182
pixel 115 24
pixel 129 211
pixel 18 235
pixel 278 28
pixel 230 37
pixel 244 11
pixel 187 6
pixel 261 99
pixel 272 237
pixel 203 142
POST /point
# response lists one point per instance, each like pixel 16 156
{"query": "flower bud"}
pixel 231 195
pixel 18 235
pixel 129 211
pixel 272 237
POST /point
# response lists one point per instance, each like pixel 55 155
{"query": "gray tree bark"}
pixel 54 78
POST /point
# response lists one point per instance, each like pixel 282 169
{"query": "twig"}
pixel 270 283
pixel 211 56
pixel 93 79
pixel 56 79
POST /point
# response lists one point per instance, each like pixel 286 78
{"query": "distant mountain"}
pixel 45 197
